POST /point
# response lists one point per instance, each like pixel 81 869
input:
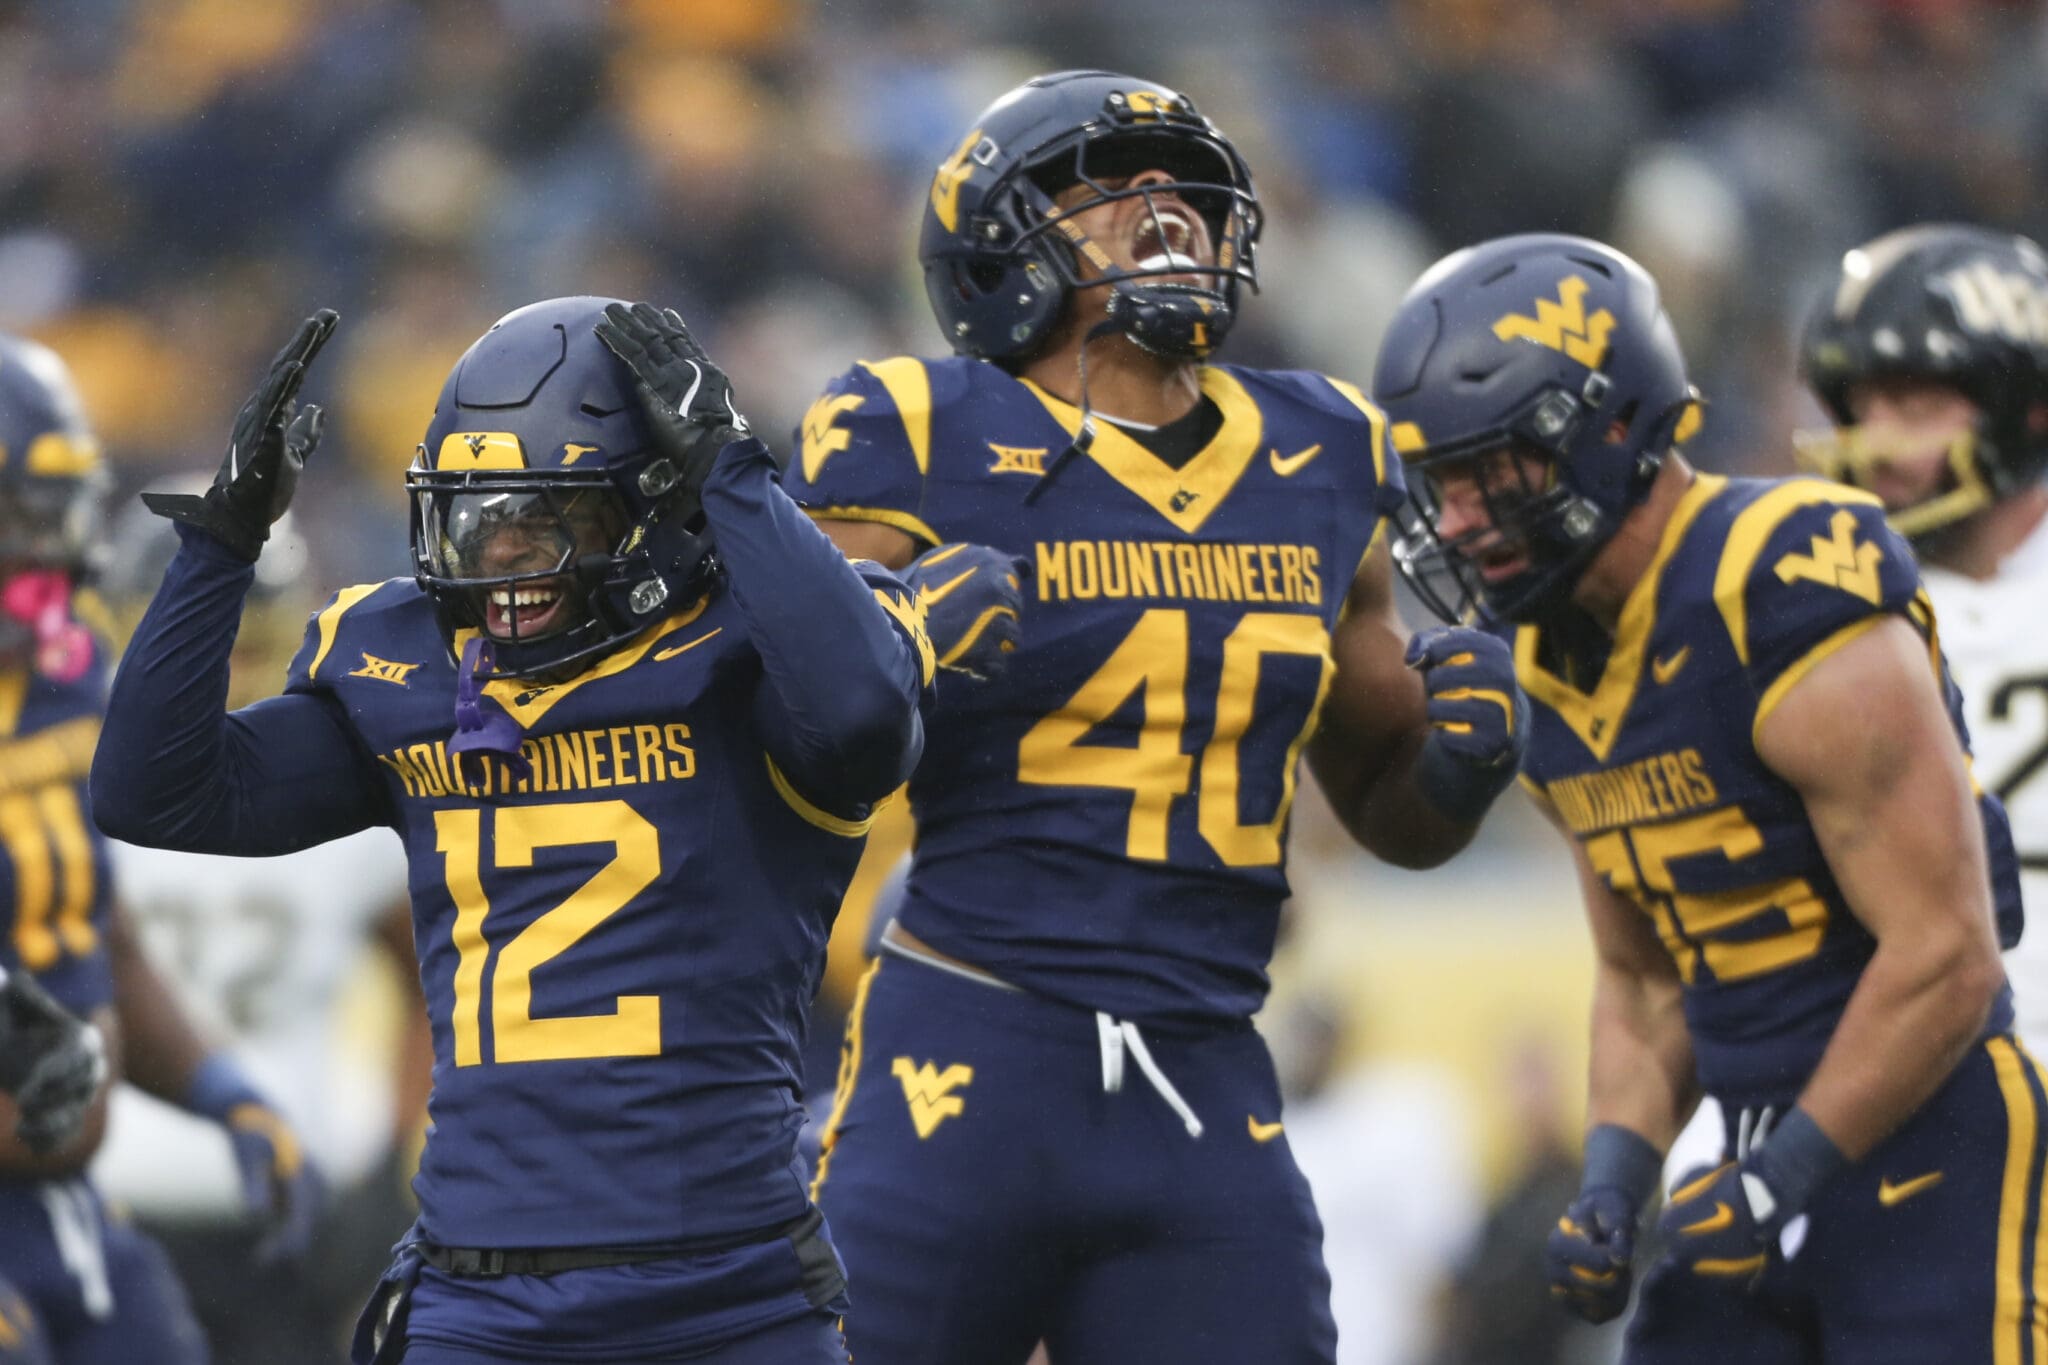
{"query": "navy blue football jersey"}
pixel 1105 824
pixel 618 951
pixel 53 859
pixel 1649 759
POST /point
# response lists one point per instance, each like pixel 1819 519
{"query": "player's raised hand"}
pixel 1589 1252
pixel 971 597
pixel 272 440
pixel 686 399
pixel 1479 719
pixel 51 1062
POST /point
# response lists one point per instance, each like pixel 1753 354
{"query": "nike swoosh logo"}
pixel 928 595
pixel 674 650
pixel 1262 1132
pixel 1722 1216
pixel 1664 670
pixel 1889 1194
pixel 1285 466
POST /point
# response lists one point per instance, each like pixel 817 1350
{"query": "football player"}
pixel 101 1291
pixel 265 949
pixel 1744 726
pixel 1054 1118
pixel 632 777
pixel 1931 351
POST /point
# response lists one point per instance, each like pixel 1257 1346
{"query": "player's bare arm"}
pixel 1641 1089
pixel 1371 751
pixel 1865 739
pixel 1641 1072
pixel 887 546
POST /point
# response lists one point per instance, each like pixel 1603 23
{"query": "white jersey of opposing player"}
pixel 1998 651
pixel 258 950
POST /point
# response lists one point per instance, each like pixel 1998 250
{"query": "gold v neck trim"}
pixel 527 701
pixel 1189 495
pixel 1596 716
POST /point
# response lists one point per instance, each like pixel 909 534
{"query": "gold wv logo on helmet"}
pixel 465 450
pixel 1562 325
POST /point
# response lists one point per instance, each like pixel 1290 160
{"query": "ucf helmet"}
pixel 1551 345
pixel 541 514
pixel 1001 262
pixel 1961 306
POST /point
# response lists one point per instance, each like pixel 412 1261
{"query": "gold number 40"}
pixel 1152 661
pixel 633 1028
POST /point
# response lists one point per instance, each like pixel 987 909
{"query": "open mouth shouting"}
pixel 1168 236
pixel 527 611
pixel 1500 560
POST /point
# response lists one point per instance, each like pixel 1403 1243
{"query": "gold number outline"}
pixel 633 1027
pixel 1636 862
pixel 1152 660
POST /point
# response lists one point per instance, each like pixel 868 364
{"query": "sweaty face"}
pixel 1905 432
pixel 535 537
pixel 1475 496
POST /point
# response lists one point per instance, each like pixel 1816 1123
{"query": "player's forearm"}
pixel 846 683
pixel 162 1048
pixel 1920 1005
pixel 1386 810
pixel 1642 1075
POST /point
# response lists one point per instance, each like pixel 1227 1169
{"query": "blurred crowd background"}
pixel 181 180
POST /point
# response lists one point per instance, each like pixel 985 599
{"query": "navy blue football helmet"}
pixel 1551 347
pixel 52 481
pixel 1948 304
pixel 541 514
pixel 1000 262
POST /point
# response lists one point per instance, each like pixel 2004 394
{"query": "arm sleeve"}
pixel 846 663
pixel 174 769
pixel 864 449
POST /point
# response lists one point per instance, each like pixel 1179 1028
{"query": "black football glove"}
pixel 52 1062
pixel 686 399
pixel 271 443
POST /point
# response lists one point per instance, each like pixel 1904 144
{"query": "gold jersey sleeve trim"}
pixel 910 525
pixel 1804 665
pixel 329 621
pixel 812 813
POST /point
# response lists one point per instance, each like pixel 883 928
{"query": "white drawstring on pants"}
pixel 1119 1036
